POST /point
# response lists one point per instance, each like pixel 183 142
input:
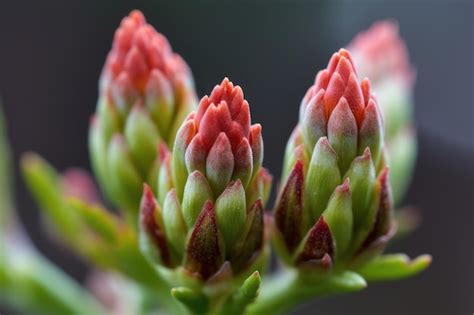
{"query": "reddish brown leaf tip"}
pixel 204 251
pixel 148 210
pixel 344 188
pixel 383 221
pixel 319 245
pixel 289 208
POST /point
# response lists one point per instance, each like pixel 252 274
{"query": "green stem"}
pixel 288 288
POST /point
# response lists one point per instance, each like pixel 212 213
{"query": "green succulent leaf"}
pixel 96 219
pixel 43 182
pixel 394 266
pixel 194 301
pixel 244 296
pixel 34 284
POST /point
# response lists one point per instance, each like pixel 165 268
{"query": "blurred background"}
pixel 51 56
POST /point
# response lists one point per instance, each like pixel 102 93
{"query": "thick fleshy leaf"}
pixel 124 177
pixel 196 155
pixel 314 124
pixel 108 118
pixel 43 181
pixel 178 163
pixel 165 181
pixel 289 208
pixel 231 212
pixel 196 192
pixel 394 267
pixel 174 225
pixel 205 252
pixel 342 134
pixel 295 141
pixel 243 168
pixel 383 228
pixel 338 216
pixel 260 187
pixel 298 155
pixel 220 164
pixel 256 142
pixel 142 138
pixel 159 99
pixel 96 219
pixel 384 219
pixel 153 241
pixel 402 151
pixel 245 295
pixel 355 98
pixel 196 302
pixel 371 132
pixel 251 239
pixel 362 180
pixel 322 178
pixel 98 155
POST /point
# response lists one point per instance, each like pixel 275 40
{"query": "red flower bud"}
pixel 139 53
pixel 338 80
pixel 218 140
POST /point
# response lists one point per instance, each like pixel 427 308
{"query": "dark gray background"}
pixel 52 52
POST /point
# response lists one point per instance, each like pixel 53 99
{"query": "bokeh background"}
pixel 51 54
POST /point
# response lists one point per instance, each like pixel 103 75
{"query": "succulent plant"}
pixel 210 223
pixel 335 204
pixel 190 232
pixel 215 190
pixel 145 92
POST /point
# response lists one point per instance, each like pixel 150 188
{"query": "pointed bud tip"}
pixel 344 188
pixel 137 16
pixel 367 155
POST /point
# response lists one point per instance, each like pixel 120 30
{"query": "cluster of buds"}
pixel 334 207
pixel 208 219
pixel 192 177
pixel 146 91
pixel 381 55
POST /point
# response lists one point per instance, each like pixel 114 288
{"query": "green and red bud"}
pixel 146 91
pixel 381 55
pixel 334 174
pixel 213 215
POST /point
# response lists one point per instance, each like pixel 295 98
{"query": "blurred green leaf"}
pixel 44 183
pixel 394 266
pixel 32 283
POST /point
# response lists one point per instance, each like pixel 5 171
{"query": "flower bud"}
pixel 326 211
pixel 382 56
pixel 146 90
pixel 215 215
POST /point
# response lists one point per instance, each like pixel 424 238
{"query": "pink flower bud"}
pixel 219 141
pixel 379 52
